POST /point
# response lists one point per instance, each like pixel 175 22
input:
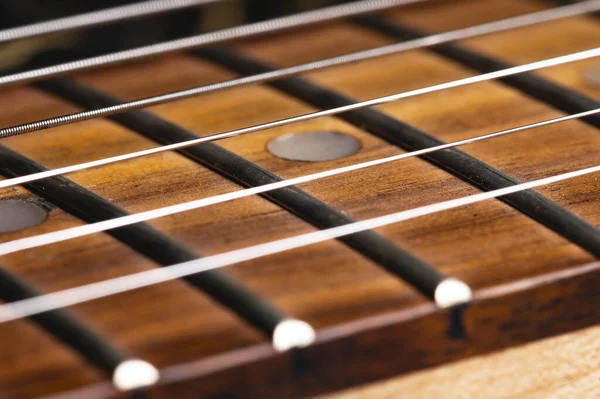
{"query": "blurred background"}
pixel 129 34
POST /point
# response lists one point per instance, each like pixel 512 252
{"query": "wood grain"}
pixel 487 244
pixel 560 367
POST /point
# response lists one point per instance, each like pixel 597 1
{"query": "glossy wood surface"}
pixel 486 245
pixel 559 367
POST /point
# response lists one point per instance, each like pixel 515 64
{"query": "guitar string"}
pixel 101 289
pixel 459 34
pixel 92 228
pixel 517 67
pixel 309 116
pixel 20 309
pixel 204 39
pixel 100 17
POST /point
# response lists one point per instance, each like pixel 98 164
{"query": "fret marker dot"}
pixel 316 146
pixel 17 215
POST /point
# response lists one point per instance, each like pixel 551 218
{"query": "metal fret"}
pixel 81 231
pixel 149 242
pixel 424 42
pixel 130 282
pixel 551 93
pixel 69 330
pixel 384 253
pixel 333 111
pixel 205 39
pixel 465 167
pixel 286 333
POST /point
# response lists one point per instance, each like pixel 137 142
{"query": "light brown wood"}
pixel 486 244
pixel 561 367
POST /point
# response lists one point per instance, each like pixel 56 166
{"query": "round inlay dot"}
pixel 18 215
pixel 314 146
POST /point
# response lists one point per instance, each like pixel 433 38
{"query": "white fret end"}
pixel 452 292
pixel 134 374
pixel 292 333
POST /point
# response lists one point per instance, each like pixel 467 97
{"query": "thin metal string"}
pixel 85 293
pixel 138 280
pixel 477 30
pixel 300 118
pixel 192 42
pixel 87 229
pixel 101 17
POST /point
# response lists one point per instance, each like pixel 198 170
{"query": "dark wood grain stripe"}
pixel 65 327
pixel 409 138
pixel 147 241
pixel 247 174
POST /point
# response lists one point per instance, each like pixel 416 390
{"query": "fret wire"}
pixel 300 118
pixel 163 250
pixel 235 168
pixel 92 228
pixel 551 93
pixel 100 17
pixel 85 293
pixel 210 38
pixel 17 310
pixel 469 32
pixel 67 328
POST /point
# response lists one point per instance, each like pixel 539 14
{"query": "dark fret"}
pixel 373 335
pixel 551 93
pixel 165 251
pixel 460 164
pixel 72 332
pixel 385 346
pixel 247 174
